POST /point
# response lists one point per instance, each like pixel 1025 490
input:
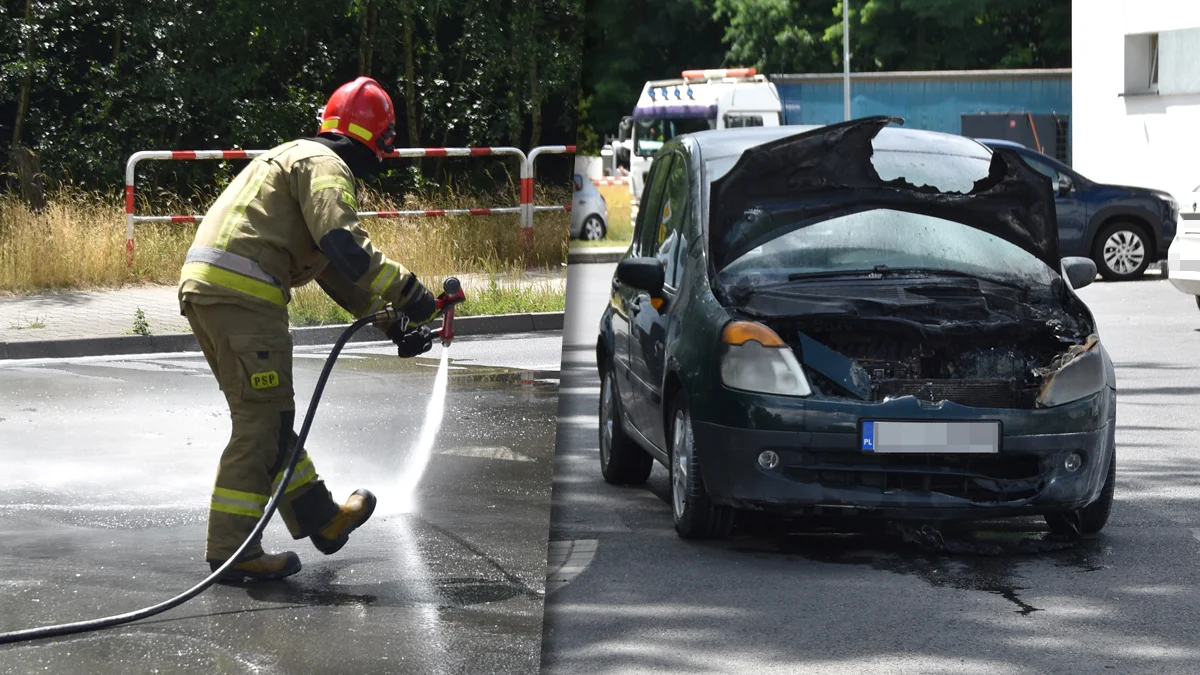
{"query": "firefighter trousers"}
pixel 250 353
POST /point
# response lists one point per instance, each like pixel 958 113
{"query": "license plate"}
pixel 892 436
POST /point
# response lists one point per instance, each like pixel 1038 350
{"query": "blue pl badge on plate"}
pixel 868 436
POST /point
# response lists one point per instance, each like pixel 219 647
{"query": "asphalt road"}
pixel 107 465
pixel 630 597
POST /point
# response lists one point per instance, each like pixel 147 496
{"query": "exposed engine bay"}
pixel 874 360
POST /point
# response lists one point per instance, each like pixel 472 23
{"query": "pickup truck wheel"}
pixel 622 462
pixel 1121 251
pixel 1093 517
pixel 696 516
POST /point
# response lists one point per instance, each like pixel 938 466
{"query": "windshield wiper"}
pixel 796 276
pixel 884 269
pixel 878 271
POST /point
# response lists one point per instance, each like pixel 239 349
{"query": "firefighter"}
pixel 286 219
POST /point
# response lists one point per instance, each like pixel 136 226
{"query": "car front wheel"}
pixel 696 516
pixel 622 462
pixel 1122 251
pixel 1091 518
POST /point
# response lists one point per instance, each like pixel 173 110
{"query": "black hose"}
pixel 268 511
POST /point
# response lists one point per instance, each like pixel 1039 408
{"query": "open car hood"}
pixel 830 169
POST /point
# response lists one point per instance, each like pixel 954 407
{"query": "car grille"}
pixel 974 393
pixel 978 478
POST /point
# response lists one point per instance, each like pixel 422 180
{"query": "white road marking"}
pixel 483 452
pixel 70 373
pixel 566 560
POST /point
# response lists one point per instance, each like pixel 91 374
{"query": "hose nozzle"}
pixel 452 295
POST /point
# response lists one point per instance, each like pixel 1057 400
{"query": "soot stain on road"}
pixel 982 560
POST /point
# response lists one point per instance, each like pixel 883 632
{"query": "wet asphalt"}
pixel 106 465
pixel 631 597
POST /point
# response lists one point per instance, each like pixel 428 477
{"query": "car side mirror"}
pixel 1079 271
pixel 1064 184
pixel 644 274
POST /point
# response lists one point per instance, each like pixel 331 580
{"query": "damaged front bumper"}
pixel 821 469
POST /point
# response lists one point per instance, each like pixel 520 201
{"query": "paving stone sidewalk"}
pixel 110 313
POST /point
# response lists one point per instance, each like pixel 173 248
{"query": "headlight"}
pixel 1080 375
pixel 755 359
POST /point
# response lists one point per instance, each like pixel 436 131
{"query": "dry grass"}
pixel 78 241
pixel 487 295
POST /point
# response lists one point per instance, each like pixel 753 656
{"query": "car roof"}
pixel 723 143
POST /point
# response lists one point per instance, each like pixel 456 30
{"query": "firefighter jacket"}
pixel 287 219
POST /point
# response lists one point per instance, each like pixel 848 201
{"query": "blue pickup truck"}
pixel 1124 229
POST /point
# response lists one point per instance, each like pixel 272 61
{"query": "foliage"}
pixel 628 42
pixel 109 77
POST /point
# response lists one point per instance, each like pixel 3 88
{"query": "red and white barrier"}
pixel 611 180
pixel 131 217
pixel 527 179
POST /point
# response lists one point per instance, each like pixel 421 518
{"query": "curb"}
pixel 496 324
pixel 592 256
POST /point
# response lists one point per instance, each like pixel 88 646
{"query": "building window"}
pixel 1166 63
pixel 1141 64
pixel 1153 86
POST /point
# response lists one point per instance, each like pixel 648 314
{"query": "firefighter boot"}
pixel 262 567
pixel 334 535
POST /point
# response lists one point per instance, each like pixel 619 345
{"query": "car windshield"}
pixel 864 241
pixel 652 133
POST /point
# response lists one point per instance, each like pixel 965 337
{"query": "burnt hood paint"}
pixel 833 163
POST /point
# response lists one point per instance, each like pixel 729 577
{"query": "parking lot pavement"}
pixel 108 464
pixel 786 600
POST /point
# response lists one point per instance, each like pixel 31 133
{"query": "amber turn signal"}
pixel 741 332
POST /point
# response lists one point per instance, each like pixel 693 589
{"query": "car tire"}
pixel 1093 517
pixel 593 228
pixel 1122 251
pixel 622 462
pixel 696 516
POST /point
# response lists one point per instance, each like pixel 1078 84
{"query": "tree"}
pixel 109 77
pixel 627 42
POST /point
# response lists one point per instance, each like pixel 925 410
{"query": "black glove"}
pixel 412 342
pixel 422 309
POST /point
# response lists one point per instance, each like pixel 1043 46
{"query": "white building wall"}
pixel 1151 140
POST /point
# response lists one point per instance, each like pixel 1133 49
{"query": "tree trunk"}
pixel 366 37
pixel 29 175
pixel 535 102
pixel 410 80
pixel 24 162
pixel 26 80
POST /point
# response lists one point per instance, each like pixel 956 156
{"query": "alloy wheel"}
pixel 681 455
pixel 593 229
pixel 610 413
pixel 1124 251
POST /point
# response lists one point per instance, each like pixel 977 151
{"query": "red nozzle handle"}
pixel 452 295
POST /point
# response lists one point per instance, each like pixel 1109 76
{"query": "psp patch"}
pixel 267 380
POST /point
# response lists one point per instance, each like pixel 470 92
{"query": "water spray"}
pixel 422 450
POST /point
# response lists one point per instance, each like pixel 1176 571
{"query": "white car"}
pixel 1183 258
pixel 589 211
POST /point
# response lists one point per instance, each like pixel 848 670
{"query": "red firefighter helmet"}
pixel 362 110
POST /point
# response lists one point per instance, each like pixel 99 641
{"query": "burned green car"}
pixel 855 318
